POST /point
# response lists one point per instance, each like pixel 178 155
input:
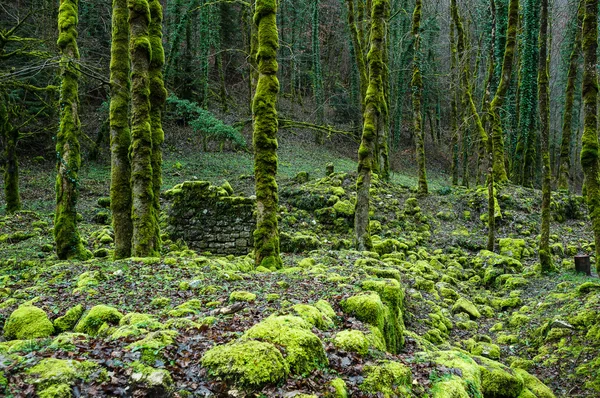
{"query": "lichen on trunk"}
pixel 66 234
pixel 374 106
pixel 120 135
pixel 10 136
pixel 266 235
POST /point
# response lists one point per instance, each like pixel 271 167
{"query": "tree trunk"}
pixel 589 150
pixel 10 136
pixel 500 175
pixel 564 166
pixel 266 235
pixel 417 90
pixel 66 234
pixel 544 98
pixel 374 101
pixel 120 135
pixel 144 242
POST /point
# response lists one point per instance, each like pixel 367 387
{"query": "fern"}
pixel 205 123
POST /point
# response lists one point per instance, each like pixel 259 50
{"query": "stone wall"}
pixel 210 218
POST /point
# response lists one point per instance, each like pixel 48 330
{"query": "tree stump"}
pixel 582 264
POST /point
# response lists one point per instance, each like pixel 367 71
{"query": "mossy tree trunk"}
pixel 564 166
pixel 266 235
pixel 500 175
pixel 454 103
pixel 158 97
pixel 120 135
pixel 318 93
pixel 144 242
pixel 358 45
pixel 374 104
pixel 66 234
pixel 589 150
pixel 10 137
pixel 544 109
pixel 417 94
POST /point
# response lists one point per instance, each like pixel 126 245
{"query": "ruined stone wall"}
pixel 210 218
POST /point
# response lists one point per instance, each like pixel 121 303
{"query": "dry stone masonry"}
pixel 210 218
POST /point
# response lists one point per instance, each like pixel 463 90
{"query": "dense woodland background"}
pixel 207 45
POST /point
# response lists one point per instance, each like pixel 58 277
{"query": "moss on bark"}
pixel 374 104
pixel 500 175
pixel 120 135
pixel 564 166
pixel 66 235
pixel 266 235
pixel 10 136
pixel 544 108
pixel 589 150
pixel 417 94
pixel 144 239
pixel 158 97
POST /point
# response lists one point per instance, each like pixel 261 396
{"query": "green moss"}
pixel 453 387
pixel 518 320
pixel 50 374
pixel 464 305
pixel 247 363
pixel 69 320
pixel 151 345
pixel 512 247
pixel 588 287
pixel 67 341
pixel 499 381
pixel 344 208
pixel 366 307
pixel 326 309
pixel 534 385
pixel 313 316
pixel 160 302
pixel 91 321
pixel 154 382
pixel 388 378
pixel 190 307
pixel 339 385
pixel 304 350
pixel 487 350
pixel 27 322
pixel 352 341
pixel 242 296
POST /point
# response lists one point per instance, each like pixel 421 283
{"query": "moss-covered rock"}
pixel 53 377
pixel 91 321
pixel 452 387
pixel 339 387
pixel 152 382
pixel 189 307
pixel 151 345
pixel 352 341
pixel 27 322
pixel 467 307
pixel 486 349
pixel 313 316
pixel 392 379
pixel 512 247
pixel 242 296
pixel 499 381
pixel 304 350
pixel 248 363
pixel 69 320
pixel 534 385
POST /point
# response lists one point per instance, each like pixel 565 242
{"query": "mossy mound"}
pixel 69 320
pixel 92 321
pixel 28 322
pixel 304 350
pixel 494 265
pixel 53 377
pixel 151 382
pixel 313 315
pixel 151 345
pixel 248 363
pixel 352 341
pixel 392 379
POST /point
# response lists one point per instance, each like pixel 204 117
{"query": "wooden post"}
pixel 582 264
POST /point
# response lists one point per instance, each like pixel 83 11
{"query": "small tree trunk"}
pixel 120 135
pixel 417 85
pixel 66 234
pixel 266 235
pixel 10 137
pixel 144 242
pixel 374 102
pixel 589 150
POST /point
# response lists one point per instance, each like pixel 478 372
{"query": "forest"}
pixel 279 198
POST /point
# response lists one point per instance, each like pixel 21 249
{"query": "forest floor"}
pixel 548 326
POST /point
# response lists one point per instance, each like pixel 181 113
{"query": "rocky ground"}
pixel 428 313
